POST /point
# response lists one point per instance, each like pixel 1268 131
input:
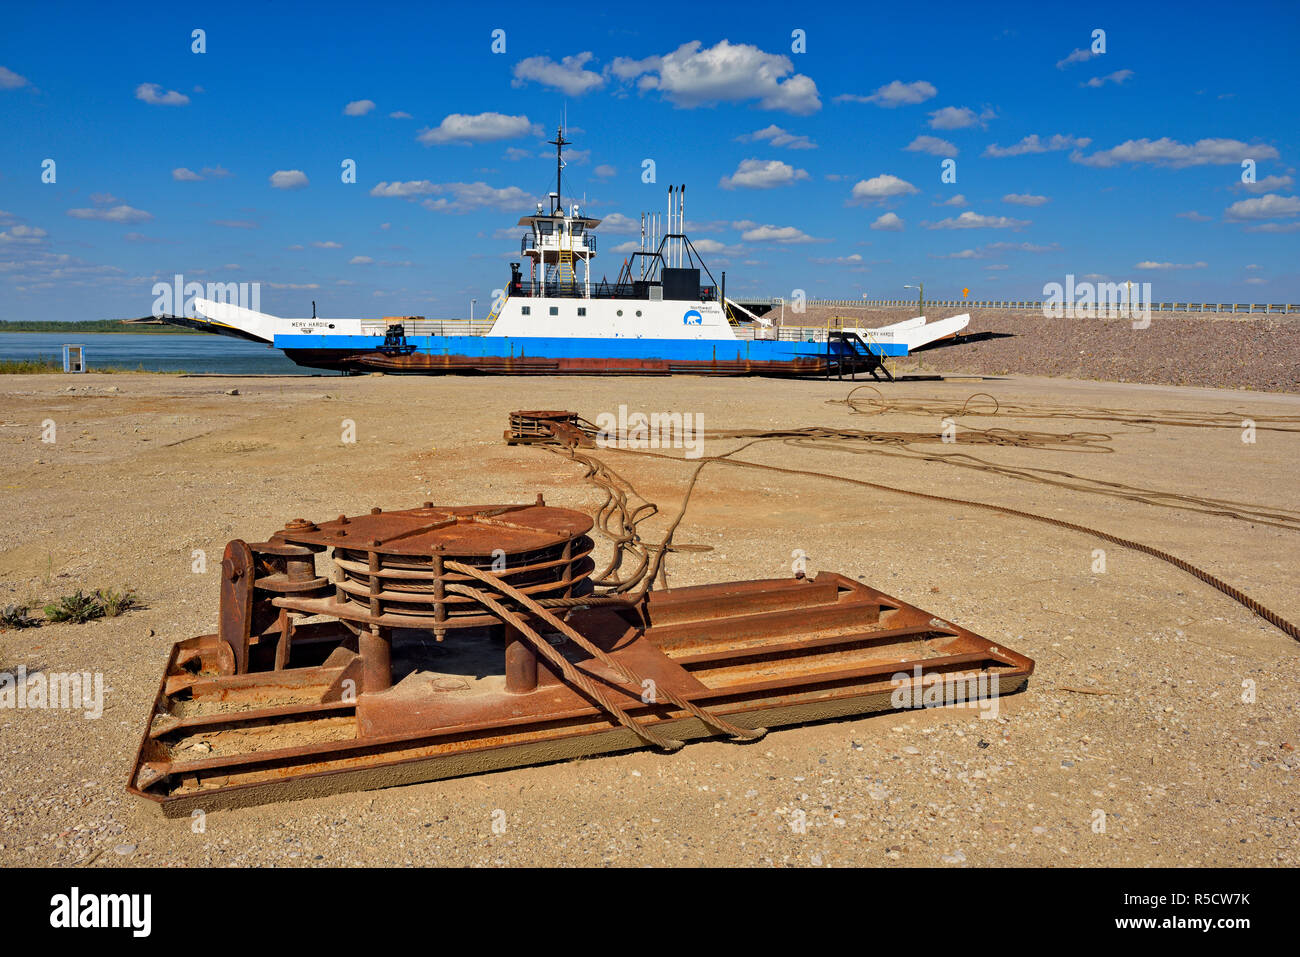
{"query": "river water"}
pixel 155 353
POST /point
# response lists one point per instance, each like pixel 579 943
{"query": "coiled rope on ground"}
pixel 619 521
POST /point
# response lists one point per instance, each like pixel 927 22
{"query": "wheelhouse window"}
pixel 527 310
pixel 555 310
pixel 582 310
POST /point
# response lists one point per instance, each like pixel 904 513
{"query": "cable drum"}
pixel 394 565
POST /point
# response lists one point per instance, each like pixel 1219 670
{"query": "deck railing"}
pixel 1034 304
pixel 428 327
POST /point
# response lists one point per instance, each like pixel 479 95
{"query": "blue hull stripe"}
pixel 700 350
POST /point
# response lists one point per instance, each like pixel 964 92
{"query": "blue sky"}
pixel 817 169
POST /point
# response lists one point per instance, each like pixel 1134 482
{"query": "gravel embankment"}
pixel 1216 351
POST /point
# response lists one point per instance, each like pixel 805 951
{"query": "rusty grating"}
pixel 453 640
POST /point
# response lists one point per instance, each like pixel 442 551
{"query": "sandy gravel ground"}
pixel 148 469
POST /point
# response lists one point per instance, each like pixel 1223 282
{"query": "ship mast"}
pixel 559 143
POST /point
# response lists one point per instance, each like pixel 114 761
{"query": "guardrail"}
pixel 1036 304
pixel 790 332
pixel 429 327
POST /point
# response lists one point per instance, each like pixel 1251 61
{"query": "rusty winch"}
pixel 453 640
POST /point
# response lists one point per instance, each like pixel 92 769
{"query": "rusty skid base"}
pixel 761 654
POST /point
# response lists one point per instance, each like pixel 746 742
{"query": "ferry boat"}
pixel 665 313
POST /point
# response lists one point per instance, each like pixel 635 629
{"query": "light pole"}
pixel 471 309
pixel 920 302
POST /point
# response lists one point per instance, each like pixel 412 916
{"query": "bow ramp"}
pixel 912 334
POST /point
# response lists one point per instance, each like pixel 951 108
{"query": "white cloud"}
pixel 184 175
pixel 894 94
pixel 888 222
pixel 1033 144
pixel 693 76
pixel 958 200
pixel 989 249
pixel 1118 78
pixel 932 145
pixel 1265 185
pixel 415 187
pixel 456 197
pixel 1268 206
pixel 879 188
pixel 1256 280
pixel 1168 152
pixel 1148 264
pixel 568 76
pixel 853 259
pixel 1024 199
pixel 713 247
pixel 1195 217
pixel 327 244
pixel 1273 228
pixel 618 223
pixel 358 107
pixel 974 220
pixel 478 128
pixel 112 214
pixel 630 246
pixel 779 234
pixel 957 118
pixel 399 115
pixel 360 261
pixel 626 68
pixel 467 196
pixel 762 174
pixel 9 80
pixel 604 171
pixel 153 94
pixel 1078 56
pixel 778 137
pixel 27 235
pixel 289 179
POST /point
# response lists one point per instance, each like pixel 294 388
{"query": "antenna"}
pixel 559 143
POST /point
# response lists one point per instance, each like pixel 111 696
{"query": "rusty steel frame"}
pixel 296 695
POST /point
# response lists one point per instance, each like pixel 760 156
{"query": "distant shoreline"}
pixel 96 326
